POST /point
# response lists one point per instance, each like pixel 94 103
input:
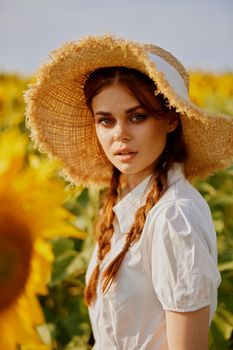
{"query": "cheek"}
pixel 155 134
pixel 104 139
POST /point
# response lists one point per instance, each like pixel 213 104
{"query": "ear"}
pixel 173 121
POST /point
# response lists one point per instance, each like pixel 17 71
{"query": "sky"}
pixel 198 32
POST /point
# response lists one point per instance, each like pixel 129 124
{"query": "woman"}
pixel 117 113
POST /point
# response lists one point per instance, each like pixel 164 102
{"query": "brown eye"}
pixel 105 121
pixel 139 117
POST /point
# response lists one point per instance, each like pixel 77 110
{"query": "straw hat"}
pixel 62 126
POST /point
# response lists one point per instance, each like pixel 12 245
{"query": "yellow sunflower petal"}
pixel 12 154
pixel 34 216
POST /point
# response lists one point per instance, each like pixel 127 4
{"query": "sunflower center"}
pixel 15 257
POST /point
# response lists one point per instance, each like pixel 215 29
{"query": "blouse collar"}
pixel 126 208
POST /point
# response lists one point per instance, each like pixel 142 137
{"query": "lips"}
pixel 125 155
pixel 124 151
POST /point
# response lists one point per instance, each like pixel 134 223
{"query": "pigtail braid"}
pixel 159 186
pixel 105 227
pixel 174 151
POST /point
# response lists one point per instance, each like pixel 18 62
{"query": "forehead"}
pixel 118 97
pixel 114 96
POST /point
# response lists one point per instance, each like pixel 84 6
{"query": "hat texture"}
pixel 62 126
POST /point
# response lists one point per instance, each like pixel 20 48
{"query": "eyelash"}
pixel 143 117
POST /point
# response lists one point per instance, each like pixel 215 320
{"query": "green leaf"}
pixel 218 337
pixel 225 266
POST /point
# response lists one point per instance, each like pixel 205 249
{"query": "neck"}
pixel 130 181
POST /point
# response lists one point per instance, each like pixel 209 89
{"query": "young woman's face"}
pixel 131 138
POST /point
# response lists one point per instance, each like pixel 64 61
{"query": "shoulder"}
pixel 182 212
pixel 184 195
pixel 182 250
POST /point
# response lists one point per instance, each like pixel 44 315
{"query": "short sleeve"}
pixel 184 268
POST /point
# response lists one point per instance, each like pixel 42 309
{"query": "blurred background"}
pixel 46 240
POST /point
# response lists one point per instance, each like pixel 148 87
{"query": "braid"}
pixel 158 188
pixel 143 88
pixel 174 151
pixel 105 227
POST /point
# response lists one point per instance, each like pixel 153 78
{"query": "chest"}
pixel 133 281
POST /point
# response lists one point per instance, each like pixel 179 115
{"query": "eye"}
pixel 105 121
pixel 138 117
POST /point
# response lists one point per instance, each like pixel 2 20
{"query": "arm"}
pixel 188 330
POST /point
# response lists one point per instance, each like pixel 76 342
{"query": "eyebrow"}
pixel 127 111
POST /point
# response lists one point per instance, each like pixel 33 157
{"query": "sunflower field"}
pixel 46 229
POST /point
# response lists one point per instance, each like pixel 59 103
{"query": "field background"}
pixel 42 304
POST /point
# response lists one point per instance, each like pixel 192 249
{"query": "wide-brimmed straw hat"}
pixel 62 126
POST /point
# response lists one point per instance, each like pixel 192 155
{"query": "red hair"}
pixel 143 89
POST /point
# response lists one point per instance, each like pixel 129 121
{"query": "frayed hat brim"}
pixel 62 126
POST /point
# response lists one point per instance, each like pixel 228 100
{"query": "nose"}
pixel 121 132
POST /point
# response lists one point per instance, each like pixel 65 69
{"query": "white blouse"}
pixel 173 267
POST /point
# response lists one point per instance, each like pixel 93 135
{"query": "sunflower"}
pixel 11 100
pixel 31 213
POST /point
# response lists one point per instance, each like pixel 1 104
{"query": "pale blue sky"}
pixel 198 32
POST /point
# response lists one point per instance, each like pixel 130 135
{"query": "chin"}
pixel 129 170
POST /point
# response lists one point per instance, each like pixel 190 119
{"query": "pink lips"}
pixel 124 150
pixel 125 154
